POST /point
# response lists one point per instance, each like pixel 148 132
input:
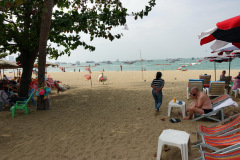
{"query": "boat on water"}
pixel 109 62
pixel 90 62
pixel 129 62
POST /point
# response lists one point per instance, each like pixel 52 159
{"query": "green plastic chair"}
pixel 21 105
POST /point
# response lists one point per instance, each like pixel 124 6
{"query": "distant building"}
pixel 11 58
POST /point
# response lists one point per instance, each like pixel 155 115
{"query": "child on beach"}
pixel 157 86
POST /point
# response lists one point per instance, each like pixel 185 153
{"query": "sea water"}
pixel 155 65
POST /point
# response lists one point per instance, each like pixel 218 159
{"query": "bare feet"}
pixel 186 118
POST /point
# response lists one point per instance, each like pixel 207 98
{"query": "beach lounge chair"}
pixel 216 88
pixel 221 128
pixel 228 153
pixel 218 104
pixel 59 87
pixel 227 80
pixel 206 80
pixel 21 105
pixel 218 142
pixel 194 83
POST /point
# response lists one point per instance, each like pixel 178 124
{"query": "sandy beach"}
pixel 116 120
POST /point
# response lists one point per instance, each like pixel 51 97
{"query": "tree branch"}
pixel 12 23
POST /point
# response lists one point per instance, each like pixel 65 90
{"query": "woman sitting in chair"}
pixel 223 74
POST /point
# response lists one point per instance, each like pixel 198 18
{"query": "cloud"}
pixel 169 31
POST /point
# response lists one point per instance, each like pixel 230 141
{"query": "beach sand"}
pixel 116 120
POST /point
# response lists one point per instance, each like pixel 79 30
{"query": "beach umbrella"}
pixel 220 59
pixel 47 64
pixel 228 54
pixel 227 31
pixel 7 65
pixel 231 51
pixel 51 64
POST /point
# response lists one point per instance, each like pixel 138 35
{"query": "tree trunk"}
pixel 44 31
pixel 26 78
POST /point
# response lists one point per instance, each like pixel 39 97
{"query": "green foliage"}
pixel 3 55
pixel 20 22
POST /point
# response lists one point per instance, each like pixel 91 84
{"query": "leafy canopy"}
pixel 20 22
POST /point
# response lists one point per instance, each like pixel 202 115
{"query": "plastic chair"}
pixel 195 83
pixel 216 88
pixel 206 79
pixel 21 105
pixel 227 80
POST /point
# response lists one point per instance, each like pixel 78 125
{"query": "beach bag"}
pixel 47 90
pixel 41 92
pixel 37 93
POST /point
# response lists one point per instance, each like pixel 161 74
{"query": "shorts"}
pixel 207 111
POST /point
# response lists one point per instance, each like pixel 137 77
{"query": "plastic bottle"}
pixel 174 100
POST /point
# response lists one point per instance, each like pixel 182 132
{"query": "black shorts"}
pixel 207 111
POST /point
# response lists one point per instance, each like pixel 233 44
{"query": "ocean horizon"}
pixel 149 65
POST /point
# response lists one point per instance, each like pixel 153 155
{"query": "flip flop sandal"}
pixel 173 120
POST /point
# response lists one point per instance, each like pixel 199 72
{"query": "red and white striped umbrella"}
pixel 227 31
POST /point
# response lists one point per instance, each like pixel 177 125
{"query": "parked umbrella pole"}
pixel 141 62
pixel 229 66
pixel 215 70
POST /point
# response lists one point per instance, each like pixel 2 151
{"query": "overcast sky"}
pixel 170 31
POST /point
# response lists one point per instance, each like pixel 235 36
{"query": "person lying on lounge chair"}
pixel 201 105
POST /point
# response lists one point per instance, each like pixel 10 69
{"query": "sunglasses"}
pixel 193 94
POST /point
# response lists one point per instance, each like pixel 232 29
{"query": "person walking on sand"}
pixel 157 86
pixel 121 67
pixel 201 105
